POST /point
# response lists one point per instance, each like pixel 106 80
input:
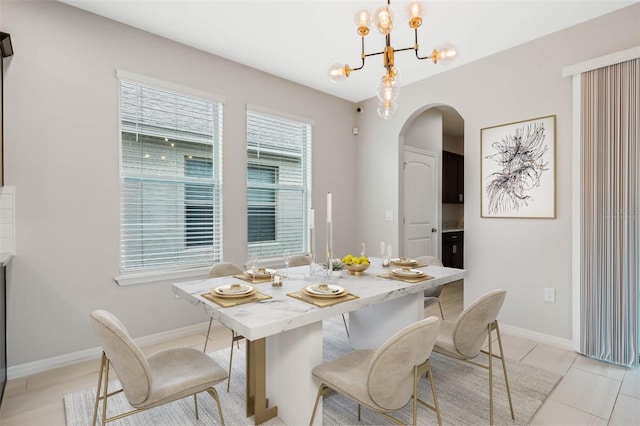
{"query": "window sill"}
pixel 162 275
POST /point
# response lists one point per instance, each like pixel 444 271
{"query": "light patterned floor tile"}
pixel 626 412
pixel 551 358
pixel 554 413
pixel 600 367
pixel 587 392
pixel 514 347
pixel 631 383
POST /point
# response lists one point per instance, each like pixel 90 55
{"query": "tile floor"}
pixel 590 393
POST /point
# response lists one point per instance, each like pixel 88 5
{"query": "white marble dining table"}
pixel 284 334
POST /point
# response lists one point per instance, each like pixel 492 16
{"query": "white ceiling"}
pixel 299 40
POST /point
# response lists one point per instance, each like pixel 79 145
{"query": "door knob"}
pixel 434 229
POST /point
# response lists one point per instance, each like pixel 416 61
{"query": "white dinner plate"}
pixel 330 291
pixel 261 273
pixel 403 261
pixel 407 273
pixel 233 290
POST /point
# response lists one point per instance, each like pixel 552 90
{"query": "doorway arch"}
pixel 430 129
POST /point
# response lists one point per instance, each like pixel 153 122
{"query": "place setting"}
pixel 257 275
pixel 404 262
pixel 234 294
pixel 406 274
pixel 323 294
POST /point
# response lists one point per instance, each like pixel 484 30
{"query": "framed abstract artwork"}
pixel 517 168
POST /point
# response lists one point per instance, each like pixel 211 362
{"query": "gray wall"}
pixel 520 255
pixel 62 155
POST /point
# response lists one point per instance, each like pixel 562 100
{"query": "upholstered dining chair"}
pixel 299 260
pixel 384 380
pixel 148 382
pixel 224 269
pixel 432 295
pixel 465 338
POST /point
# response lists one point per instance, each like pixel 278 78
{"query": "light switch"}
pixel 388 215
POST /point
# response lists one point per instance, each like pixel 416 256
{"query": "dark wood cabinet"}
pixel 452 249
pixel 452 178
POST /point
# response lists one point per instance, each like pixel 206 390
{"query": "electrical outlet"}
pixel 550 294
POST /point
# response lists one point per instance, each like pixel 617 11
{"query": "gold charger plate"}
pixel 407 273
pixel 227 302
pixel 412 280
pixel 215 293
pixel 309 291
pixel 320 302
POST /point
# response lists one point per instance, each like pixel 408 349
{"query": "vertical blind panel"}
pixel 171 207
pixel 278 185
pixel 610 206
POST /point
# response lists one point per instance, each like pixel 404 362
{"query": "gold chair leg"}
pixel 105 391
pixel 416 376
pixel 345 325
pixel 233 335
pixel 440 305
pixel 212 391
pixel 490 376
pixel 322 390
pixel 435 398
pixel 206 341
pixel 98 388
pixel 195 403
pixel 504 369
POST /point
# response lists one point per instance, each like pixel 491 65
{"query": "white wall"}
pixel 520 255
pixel 62 156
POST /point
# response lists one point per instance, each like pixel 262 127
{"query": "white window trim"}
pixel 158 275
pixel 126 75
pixel 174 274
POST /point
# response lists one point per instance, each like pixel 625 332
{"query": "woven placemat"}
pixel 227 303
pixel 322 302
pixel 250 279
pixel 413 280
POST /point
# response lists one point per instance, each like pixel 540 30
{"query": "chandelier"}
pixel 383 19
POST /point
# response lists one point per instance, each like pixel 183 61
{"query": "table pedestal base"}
pixel 370 327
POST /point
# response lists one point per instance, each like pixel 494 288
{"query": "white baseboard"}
pixel 536 336
pixel 29 368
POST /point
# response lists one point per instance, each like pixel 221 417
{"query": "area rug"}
pixel 462 391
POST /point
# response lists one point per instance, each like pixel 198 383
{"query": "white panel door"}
pixel 420 204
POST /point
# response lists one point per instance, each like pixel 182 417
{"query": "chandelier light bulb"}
pixel 387 110
pixel 388 89
pixel 445 53
pixel 384 19
pixel 362 21
pixel 338 72
pixel 414 13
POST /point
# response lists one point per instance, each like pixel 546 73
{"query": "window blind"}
pixel 278 184
pixel 171 177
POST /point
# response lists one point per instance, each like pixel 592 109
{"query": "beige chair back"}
pixel 299 260
pixel 428 260
pixel 470 330
pixel 125 356
pixel 390 381
pixel 224 269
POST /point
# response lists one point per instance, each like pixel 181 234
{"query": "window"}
pixel 171 207
pixel 278 184
pixel 262 203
